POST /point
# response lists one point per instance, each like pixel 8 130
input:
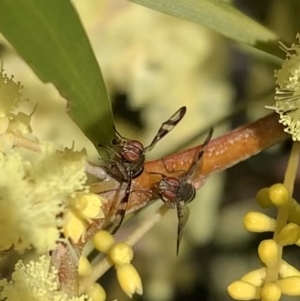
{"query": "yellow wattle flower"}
pixel 287 93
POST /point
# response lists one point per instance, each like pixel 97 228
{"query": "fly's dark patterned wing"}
pixel 183 213
pixel 199 155
pixel 121 210
pixel 167 127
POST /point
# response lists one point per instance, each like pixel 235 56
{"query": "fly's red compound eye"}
pixel 167 194
pixel 173 182
pixel 133 151
pixel 136 145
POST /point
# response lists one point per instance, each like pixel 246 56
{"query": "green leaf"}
pixel 49 36
pixel 221 17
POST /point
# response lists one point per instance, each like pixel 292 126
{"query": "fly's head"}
pixel 168 189
pixel 132 153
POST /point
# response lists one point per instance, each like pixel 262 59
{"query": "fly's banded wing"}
pixel 121 209
pixel 183 213
pixel 198 156
pixel 167 127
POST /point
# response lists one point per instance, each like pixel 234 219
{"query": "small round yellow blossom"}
pixel 287 270
pixel 96 292
pixel 289 235
pixel 270 292
pixel 36 280
pixel 256 277
pixel 84 267
pixel 121 253
pixel 259 222
pixel 75 227
pixel 103 241
pixel 268 252
pixel 290 286
pixel 10 93
pixel 263 199
pixel 129 279
pixel 287 99
pixel 241 290
pixel 278 194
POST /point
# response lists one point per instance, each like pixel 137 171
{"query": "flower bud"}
pixel 121 253
pixel 256 277
pixel 289 235
pixel 268 252
pixel 259 222
pixel 103 241
pixel 262 198
pixel 278 194
pixel 287 270
pixel 241 290
pixel 129 279
pixel 96 292
pixel 270 292
pixel 84 267
pixel 290 286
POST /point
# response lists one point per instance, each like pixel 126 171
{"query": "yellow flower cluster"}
pixel 36 280
pixel 287 93
pixel 277 277
pixel 34 196
pixel 121 255
pixel 11 123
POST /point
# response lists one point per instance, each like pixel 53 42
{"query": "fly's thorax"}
pixel 186 192
pixel 124 169
pixel 137 167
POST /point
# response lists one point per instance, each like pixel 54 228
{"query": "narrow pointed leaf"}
pixel 221 17
pixel 49 36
